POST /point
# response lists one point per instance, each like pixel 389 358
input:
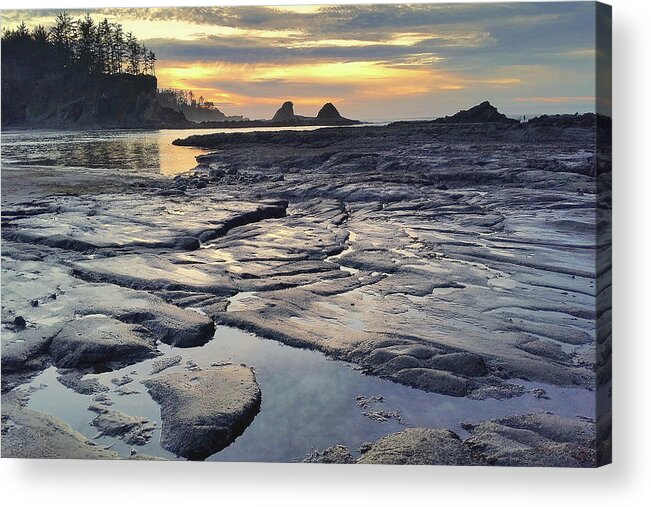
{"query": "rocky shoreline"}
pixel 440 257
pixel 532 440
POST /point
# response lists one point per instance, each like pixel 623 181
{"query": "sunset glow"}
pixel 375 61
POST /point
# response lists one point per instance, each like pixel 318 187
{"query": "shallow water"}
pixel 141 152
pixel 308 401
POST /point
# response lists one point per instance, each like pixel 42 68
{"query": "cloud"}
pixel 251 49
pixel 555 100
pixel 402 58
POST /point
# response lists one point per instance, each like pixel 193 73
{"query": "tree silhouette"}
pixel 97 48
pixel 103 43
pixel 85 44
pixel 63 35
pixel 40 35
pixel 152 62
pixel 118 49
pixel 133 54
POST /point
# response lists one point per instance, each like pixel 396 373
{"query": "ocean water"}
pixel 138 152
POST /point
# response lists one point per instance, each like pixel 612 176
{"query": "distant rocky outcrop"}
pixel 198 114
pixel 329 113
pixel 286 117
pixel 285 114
pixel 481 113
pixel 201 114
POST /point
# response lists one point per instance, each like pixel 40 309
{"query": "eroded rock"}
pixel 435 381
pixel 539 439
pixel 419 446
pixel 96 340
pixel 204 411
pixel 132 430
pixel 28 433
pixel 163 363
pixel 337 454
pixel 27 350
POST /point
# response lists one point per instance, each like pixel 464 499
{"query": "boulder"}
pixel 204 411
pixel 419 446
pixel 540 439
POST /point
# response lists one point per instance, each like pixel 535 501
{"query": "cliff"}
pixel 72 99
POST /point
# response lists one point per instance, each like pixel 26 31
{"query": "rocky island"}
pixel 328 115
pixel 481 113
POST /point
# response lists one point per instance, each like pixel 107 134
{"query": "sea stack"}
pixel 330 116
pixel 285 114
pixel 329 112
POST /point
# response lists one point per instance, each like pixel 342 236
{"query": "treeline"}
pixel 180 99
pixel 97 48
pixel 177 99
pixel 193 108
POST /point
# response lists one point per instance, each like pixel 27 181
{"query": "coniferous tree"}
pixel 144 52
pixel 85 48
pixel 133 54
pixel 152 62
pixel 96 48
pixel 39 63
pixel 118 48
pixel 40 35
pixel 103 48
pixel 21 30
pixel 63 34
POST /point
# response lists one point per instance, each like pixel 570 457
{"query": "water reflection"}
pixel 138 152
pixel 128 151
pixel 308 401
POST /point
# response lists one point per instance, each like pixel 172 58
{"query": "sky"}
pixel 374 62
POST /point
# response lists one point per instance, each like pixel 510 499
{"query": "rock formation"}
pixel 329 112
pixel 531 440
pixel 285 114
pixel 205 411
pixel 481 113
pixel 79 100
pixel 328 115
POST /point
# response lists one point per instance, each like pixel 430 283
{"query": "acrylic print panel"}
pixel 342 234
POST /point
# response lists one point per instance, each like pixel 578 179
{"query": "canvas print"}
pixel 345 234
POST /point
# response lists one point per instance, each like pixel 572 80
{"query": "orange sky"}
pixel 372 61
